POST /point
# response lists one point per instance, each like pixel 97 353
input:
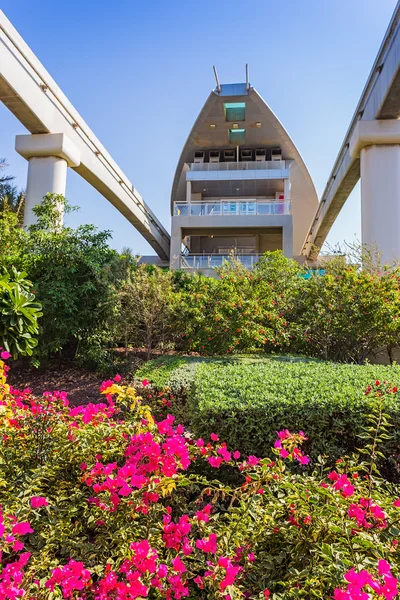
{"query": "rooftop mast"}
pixel 217 80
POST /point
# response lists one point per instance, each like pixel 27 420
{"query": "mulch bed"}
pixel 81 385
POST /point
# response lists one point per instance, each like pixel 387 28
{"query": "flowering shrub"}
pixel 103 502
pixel 347 313
pixel 242 311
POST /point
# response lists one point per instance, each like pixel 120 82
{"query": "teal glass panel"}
pixel 235 111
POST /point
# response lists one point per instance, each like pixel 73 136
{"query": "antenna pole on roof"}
pixel 247 78
pixel 217 80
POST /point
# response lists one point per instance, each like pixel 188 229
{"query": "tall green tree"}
pixel 11 198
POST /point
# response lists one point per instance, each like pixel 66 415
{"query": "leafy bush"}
pixel 108 507
pixel 242 311
pixel 74 273
pixel 246 403
pixel 347 313
pixel 19 314
pixel 145 312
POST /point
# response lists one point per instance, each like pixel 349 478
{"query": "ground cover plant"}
pixel 101 502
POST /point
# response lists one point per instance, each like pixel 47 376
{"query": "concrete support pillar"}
pixel 380 200
pixel 176 246
pixel 49 156
pixel 286 188
pixel 377 143
pixel 188 191
pixel 287 238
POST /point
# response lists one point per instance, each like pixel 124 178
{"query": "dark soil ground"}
pixel 81 385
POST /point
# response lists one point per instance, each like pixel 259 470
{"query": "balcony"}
pixel 239 171
pixel 242 166
pixel 212 261
pixel 228 208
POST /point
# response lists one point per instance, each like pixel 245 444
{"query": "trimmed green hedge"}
pixel 247 403
pixel 247 399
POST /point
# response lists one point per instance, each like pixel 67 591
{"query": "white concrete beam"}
pixel 27 89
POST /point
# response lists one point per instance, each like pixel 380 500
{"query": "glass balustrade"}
pixel 232 207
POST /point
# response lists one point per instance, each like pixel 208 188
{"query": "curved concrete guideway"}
pixel 29 92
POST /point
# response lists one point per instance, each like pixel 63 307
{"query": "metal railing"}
pixel 212 261
pixel 227 208
pixel 254 165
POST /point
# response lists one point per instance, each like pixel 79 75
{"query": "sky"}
pixel 140 71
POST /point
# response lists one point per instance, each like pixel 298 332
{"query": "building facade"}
pixel 240 186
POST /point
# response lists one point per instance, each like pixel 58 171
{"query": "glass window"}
pixel 235 111
pixel 237 136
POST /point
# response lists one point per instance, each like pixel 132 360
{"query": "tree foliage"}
pixel 145 309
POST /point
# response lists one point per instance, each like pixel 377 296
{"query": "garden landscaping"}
pixel 255 456
pixel 105 501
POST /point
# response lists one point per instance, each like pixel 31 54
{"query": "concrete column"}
pixel 49 155
pixel 380 200
pixel 286 188
pixel 287 237
pixel 188 191
pixel 47 174
pixel 377 143
pixel 176 245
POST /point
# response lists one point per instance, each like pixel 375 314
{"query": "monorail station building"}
pixel 240 186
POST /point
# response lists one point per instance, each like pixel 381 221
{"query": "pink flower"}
pixel 145 382
pixel 208 545
pixel 203 514
pixel 162 571
pixel 5 355
pixel 214 437
pixel 38 501
pixel 18 546
pixel 215 461
pixel 117 378
pixel 178 565
pixel 383 567
pixel 303 459
pixel 284 434
pixel 252 461
pixel 22 528
pixel 397 503
pixel 236 455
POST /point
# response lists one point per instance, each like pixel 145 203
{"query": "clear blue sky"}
pixel 139 72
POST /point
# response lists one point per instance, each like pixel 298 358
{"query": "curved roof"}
pixel 271 133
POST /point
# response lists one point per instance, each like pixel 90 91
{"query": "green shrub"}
pixel 346 314
pixel 242 311
pixel 246 403
pixel 159 370
pixel 146 304
pixel 74 272
pixel 19 314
